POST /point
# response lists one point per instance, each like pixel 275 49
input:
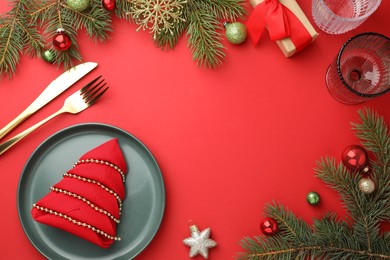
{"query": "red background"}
pixel 228 140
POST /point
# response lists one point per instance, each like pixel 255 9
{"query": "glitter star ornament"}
pixel 157 15
pixel 199 242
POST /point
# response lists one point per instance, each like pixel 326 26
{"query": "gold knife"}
pixel 56 87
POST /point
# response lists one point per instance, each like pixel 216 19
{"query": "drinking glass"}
pixel 361 70
pixel 340 16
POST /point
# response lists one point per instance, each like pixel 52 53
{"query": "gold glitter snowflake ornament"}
pixel 157 15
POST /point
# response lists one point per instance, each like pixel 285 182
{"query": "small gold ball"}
pixel 366 185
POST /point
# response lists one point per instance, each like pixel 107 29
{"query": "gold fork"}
pixel 75 103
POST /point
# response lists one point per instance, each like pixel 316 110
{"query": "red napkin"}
pixel 87 202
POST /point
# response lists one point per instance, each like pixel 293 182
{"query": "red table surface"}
pixel 228 140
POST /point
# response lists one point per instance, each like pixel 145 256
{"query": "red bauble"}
pixel 109 4
pixel 355 158
pixel 269 226
pixel 61 40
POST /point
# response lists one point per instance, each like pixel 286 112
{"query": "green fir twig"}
pixel 31 25
pixel 331 237
pixel 203 22
pixel 17 35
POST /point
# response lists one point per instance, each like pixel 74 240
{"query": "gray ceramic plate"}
pixel 143 206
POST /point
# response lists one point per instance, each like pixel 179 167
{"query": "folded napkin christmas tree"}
pixel 87 202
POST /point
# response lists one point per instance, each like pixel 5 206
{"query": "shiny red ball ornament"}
pixel 355 158
pixel 61 40
pixel 109 5
pixel 269 226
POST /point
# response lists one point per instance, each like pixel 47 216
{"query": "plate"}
pixel 143 207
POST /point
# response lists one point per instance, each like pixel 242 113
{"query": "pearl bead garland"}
pixel 103 163
pixel 83 224
pixel 97 183
pixel 74 195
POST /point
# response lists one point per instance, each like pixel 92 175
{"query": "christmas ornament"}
pixel 359 233
pixel 109 5
pixel 235 32
pixel 78 5
pixel 269 226
pixel 49 56
pixel 199 242
pixel 313 198
pixel 355 158
pixel 61 40
pixel 157 15
pixel 366 185
pixel 198 20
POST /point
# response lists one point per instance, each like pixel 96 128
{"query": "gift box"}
pixel 286 23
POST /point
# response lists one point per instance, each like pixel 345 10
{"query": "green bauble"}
pixel 313 198
pixel 49 56
pixel 235 32
pixel 78 5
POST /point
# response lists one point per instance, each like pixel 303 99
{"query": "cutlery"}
pixel 56 87
pixel 75 103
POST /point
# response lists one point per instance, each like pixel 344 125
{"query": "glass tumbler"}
pixel 361 70
pixel 340 16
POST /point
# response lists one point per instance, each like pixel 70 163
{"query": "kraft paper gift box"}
pixel 286 23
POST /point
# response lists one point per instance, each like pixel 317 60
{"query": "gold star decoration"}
pixel 157 15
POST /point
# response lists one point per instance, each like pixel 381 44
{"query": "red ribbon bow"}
pixel 280 21
pixel 270 13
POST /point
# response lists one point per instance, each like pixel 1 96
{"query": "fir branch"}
pixel 41 10
pixel 10 47
pixel 279 250
pixel 333 238
pixel 202 26
pixel 337 177
pixel 331 231
pixel 17 36
pixel 122 9
pixel 346 253
pixel 227 10
pixel 166 40
pixel 96 21
pixel 293 229
pixel 53 17
pixel 356 202
pixel 374 134
pixel 31 36
pixel 20 29
pixel 204 40
pixel 292 241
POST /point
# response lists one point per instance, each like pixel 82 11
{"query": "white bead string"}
pixel 103 163
pixel 89 203
pixel 83 224
pixel 97 183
